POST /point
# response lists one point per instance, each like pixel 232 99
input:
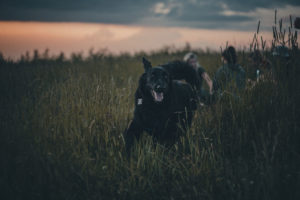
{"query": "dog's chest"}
pixel 152 116
pixel 154 112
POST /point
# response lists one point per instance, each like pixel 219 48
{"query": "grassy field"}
pixel 62 122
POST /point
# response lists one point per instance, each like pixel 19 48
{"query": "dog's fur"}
pixel 163 106
pixel 180 70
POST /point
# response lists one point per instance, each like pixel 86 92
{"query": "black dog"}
pixel 163 106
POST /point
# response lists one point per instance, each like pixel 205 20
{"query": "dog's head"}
pixel 158 81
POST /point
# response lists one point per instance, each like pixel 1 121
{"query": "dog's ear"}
pixel 147 64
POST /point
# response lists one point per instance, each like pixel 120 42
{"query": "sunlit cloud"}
pixel 161 8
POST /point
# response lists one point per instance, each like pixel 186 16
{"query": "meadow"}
pixel 62 121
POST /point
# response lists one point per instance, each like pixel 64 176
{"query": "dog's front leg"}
pixel 132 133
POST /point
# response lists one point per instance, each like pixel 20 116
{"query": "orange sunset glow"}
pixel 18 37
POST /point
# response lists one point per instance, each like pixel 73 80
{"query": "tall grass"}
pixel 62 122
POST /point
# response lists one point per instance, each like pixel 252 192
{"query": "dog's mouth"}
pixel 158 96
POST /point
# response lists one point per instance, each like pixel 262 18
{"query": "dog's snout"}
pixel 159 87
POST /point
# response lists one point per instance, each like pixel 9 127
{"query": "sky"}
pixel 134 25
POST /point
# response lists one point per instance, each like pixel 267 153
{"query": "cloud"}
pixel 112 11
pixel 251 5
pixel 161 8
pixel 217 14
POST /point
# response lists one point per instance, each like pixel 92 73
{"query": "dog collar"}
pixel 139 101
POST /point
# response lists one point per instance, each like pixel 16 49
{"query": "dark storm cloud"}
pixel 189 13
pixel 113 11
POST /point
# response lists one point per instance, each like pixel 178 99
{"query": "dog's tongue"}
pixel 158 96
